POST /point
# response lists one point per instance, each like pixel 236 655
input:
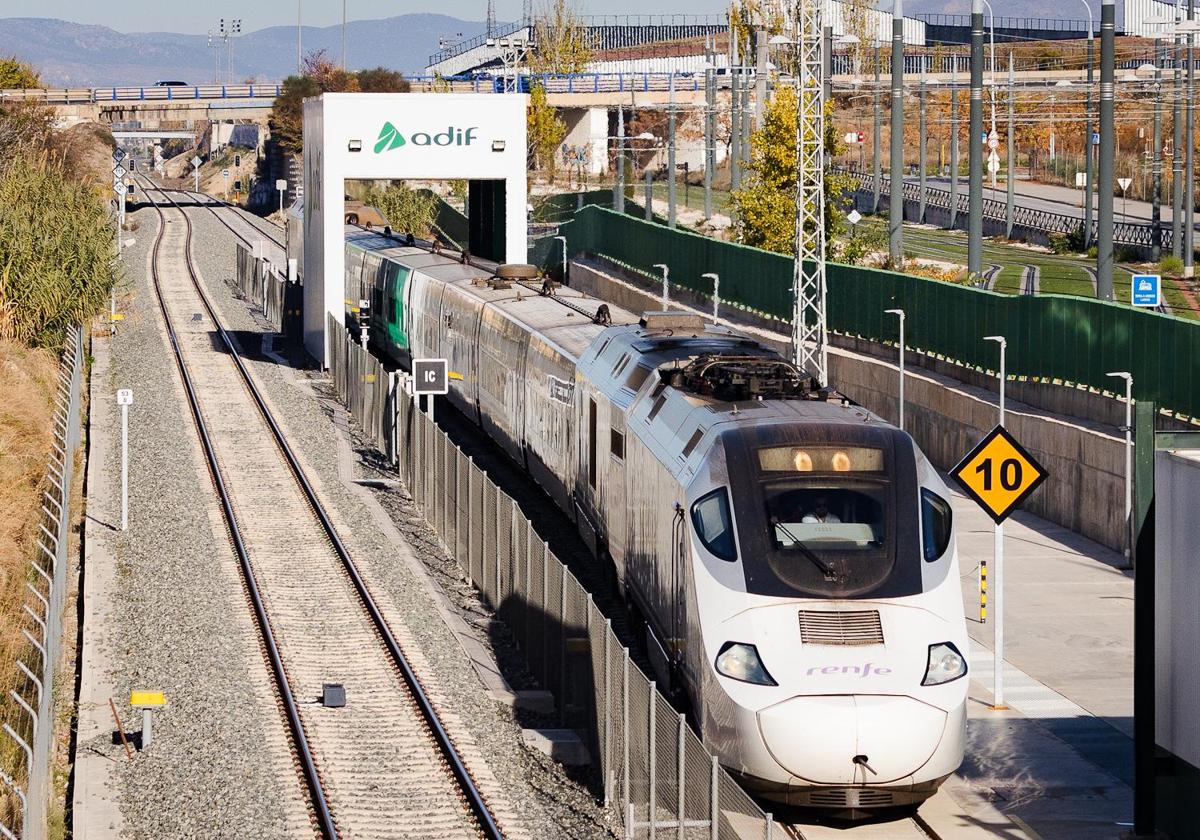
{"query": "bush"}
pixel 1070 242
pixel 56 251
pixel 407 210
pixel 1171 266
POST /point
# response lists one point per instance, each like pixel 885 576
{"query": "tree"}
pixel 382 80
pixel 546 130
pixel 320 75
pixel 766 203
pixel 15 73
pixel 561 42
pixel 407 210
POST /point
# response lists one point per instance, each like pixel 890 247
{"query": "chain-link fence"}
pixel 27 716
pixel 655 773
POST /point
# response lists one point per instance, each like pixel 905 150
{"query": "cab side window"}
pixel 936 521
pixel 714 524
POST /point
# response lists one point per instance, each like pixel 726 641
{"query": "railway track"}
pixel 382 765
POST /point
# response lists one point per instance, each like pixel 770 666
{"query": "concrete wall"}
pixel 946 417
pixel 587 127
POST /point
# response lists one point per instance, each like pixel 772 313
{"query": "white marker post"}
pixel 281 186
pixel 196 171
pixel 998 572
pixel 900 312
pixel 666 292
pixel 125 399
pixel 716 293
pixel 431 377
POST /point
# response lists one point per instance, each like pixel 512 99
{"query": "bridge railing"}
pixel 1052 338
pixel 72 96
pixel 1124 233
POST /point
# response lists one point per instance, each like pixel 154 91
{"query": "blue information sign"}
pixel 1095 138
pixel 1146 290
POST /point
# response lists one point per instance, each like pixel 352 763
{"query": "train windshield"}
pixel 829 518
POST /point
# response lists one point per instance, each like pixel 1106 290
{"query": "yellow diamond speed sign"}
pixel 999 474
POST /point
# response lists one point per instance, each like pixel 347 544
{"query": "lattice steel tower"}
pixel 808 278
pixel 491 18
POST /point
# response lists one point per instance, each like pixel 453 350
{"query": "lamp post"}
pixel 1189 28
pixel 975 144
pixel 343 35
pixel 953 141
pixel 716 278
pixel 666 292
pixel 1155 71
pixel 1087 141
pixel 299 53
pixel 1104 233
pixel 900 313
pixel 876 146
pixel 998 571
pixel 1128 429
pixel 991 80
pixel 563 240
pixel 896 208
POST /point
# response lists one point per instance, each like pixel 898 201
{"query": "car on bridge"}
pixel 170 83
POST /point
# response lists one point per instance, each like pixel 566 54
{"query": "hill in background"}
pixel 79 55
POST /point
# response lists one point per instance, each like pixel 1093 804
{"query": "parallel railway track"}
pixel 383 765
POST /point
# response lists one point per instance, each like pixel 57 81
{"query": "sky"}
pixel 198 18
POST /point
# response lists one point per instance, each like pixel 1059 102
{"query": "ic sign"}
pixel 430 376
pixel 999 474
pixel 1146 290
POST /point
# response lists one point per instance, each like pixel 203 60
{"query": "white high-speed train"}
pixel 791 554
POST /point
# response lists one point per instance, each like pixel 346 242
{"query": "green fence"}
pixel 1050 337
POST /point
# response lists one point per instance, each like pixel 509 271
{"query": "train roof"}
pixel 563 316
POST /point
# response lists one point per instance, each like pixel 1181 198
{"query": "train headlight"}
pixel 740 661
pixel 946 664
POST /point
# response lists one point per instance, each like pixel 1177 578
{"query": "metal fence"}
pixel 364 387
pixel 28 720
pixel 1136 235
pixel 655 773
pixel 1053 338
pixel 262 283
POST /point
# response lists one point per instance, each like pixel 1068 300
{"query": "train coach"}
pixel 790 556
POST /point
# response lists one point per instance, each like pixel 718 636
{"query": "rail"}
pixel 655 775
pixel 466 784
pixel 29 721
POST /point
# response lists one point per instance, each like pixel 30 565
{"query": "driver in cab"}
pixel 820 513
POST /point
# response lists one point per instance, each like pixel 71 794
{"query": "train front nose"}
pixel 851 739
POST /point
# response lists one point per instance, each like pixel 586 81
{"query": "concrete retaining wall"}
pixel 946 417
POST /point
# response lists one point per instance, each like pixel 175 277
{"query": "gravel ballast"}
pixel 549 802
pixel 219 764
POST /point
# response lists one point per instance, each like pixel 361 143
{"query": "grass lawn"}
pixel 1058 274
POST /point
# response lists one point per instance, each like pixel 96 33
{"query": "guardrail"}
pixel 29 719
pixel 655 774
pixel 151 93
pixel 1124 233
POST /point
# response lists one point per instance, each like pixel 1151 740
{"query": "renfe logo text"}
pixel 868 668
pixel 391 138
